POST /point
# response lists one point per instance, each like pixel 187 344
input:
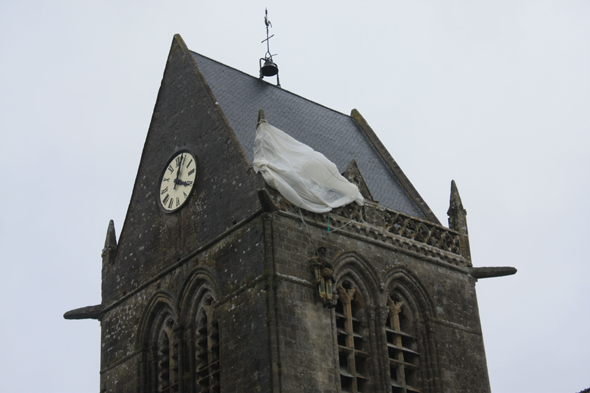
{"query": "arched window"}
pixel 160 339
pixel 207 346
pixel 167 357
pixel 353 343
pixel 402 346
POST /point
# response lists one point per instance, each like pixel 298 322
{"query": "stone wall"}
pixel 252 260
pixel 452 353
pixel 233 268
pixel 185 117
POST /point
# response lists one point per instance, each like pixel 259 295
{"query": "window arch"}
pixel 207 345
pixel 160 339
pixel 402 345
pixel 167 357
pixel 199 315
pixel 353 338
pixel 409 312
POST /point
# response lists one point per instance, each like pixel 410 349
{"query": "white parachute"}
pixel 305 177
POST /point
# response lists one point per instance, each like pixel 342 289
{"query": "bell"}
pixel 269 68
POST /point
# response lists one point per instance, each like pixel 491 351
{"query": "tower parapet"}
pixel 384 225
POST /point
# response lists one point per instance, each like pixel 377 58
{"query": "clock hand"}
pixel 178 173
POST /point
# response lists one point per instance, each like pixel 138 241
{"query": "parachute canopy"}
pixel 305 177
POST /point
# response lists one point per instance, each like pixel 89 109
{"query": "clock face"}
pixel 177 181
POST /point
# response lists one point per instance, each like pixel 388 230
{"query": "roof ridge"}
pixel 337 135
pixel 270 84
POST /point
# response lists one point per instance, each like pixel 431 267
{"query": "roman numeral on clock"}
pixel 191 172
pixel 165 190
pixel 165 199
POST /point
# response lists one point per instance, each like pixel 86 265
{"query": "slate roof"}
pixel 336 135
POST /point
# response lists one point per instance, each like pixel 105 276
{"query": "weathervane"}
pixel 269 68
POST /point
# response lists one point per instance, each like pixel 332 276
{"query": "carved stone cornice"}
pixel 373 221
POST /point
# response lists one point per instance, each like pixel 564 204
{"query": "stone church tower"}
pixel 212 284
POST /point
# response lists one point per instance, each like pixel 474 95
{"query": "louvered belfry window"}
pixel 353 345
pixel 167 359
pixel 207 348
pixel 402 347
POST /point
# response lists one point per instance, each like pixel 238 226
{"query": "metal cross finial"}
pixel 267 55
pixel 269 68
pixel 266 21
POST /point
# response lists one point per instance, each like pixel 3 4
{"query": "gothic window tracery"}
pixel 352 336
pixel 402 346
pixel 207 347
pixel 167 358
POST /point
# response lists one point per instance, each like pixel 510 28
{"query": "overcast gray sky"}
pixel 493 94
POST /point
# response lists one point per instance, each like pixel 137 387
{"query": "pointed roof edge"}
pixel 187 52
pixel 270 85
pixel 111 237
pixel 458 222
pixel 390 163
pixel 395 168
pixel 178 43
pixel 110 245
pixel 351 170
pixel 455 202
pixel 261 116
